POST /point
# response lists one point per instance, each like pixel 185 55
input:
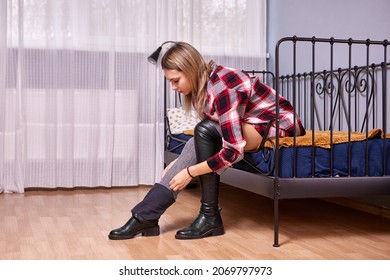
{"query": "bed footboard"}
pixel 337 86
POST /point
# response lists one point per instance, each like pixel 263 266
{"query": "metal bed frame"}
pixel 349 98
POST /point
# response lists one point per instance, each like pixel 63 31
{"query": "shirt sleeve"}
pixel 230 107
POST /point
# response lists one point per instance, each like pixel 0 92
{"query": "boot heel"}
pixel 218 231
pixel 154 231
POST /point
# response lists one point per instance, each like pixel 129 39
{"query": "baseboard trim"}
pixel 361 206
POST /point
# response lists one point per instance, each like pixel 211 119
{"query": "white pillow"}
pixel 180 121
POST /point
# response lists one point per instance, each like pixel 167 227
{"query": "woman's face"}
pixel 178 80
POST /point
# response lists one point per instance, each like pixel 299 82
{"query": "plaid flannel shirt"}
pixel 234 97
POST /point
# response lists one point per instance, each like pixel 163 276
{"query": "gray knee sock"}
pixel 185 159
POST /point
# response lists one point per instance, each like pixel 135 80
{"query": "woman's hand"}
pixel 180 181
pixel 183 178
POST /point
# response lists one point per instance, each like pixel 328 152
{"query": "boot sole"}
pixel 212 232
pixel 154 231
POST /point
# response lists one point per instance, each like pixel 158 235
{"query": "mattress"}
pixel 349 159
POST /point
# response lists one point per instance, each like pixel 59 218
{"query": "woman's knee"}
pixel 207 129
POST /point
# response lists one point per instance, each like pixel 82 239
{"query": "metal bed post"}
pixel 276 190
pixel 276 212
pixel 165 117
pixel 384 104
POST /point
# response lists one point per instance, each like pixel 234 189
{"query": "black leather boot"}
pixel 208 142
pixel 146 214
pixel 209 221
pixel 134 227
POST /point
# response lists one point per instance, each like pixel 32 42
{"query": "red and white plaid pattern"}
pixel 234 97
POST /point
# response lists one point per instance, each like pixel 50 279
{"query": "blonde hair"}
pixel 185 58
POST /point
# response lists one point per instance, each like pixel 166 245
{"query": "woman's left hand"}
pixel 180 181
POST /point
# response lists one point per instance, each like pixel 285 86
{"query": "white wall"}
pixel 356 19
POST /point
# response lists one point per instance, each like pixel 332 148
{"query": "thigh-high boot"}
pixel 145 215
pixel 208 142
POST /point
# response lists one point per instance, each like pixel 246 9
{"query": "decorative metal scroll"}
pixel 338 102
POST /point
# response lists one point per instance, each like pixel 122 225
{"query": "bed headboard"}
pixel 338 84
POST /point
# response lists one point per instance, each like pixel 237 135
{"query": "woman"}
pixel 235 111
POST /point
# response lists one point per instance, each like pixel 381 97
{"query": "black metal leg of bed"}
pixel 276 221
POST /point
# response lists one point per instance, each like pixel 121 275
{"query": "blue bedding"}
pixel 263 161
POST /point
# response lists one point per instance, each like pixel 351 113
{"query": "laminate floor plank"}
pixel 74 224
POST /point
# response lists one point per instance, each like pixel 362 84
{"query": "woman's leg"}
pixel 186 158
pixel 145 215
pixel 208 141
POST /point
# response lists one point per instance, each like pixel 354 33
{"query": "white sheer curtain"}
pixel 80 105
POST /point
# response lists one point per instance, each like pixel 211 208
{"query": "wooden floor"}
pixel 73 224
